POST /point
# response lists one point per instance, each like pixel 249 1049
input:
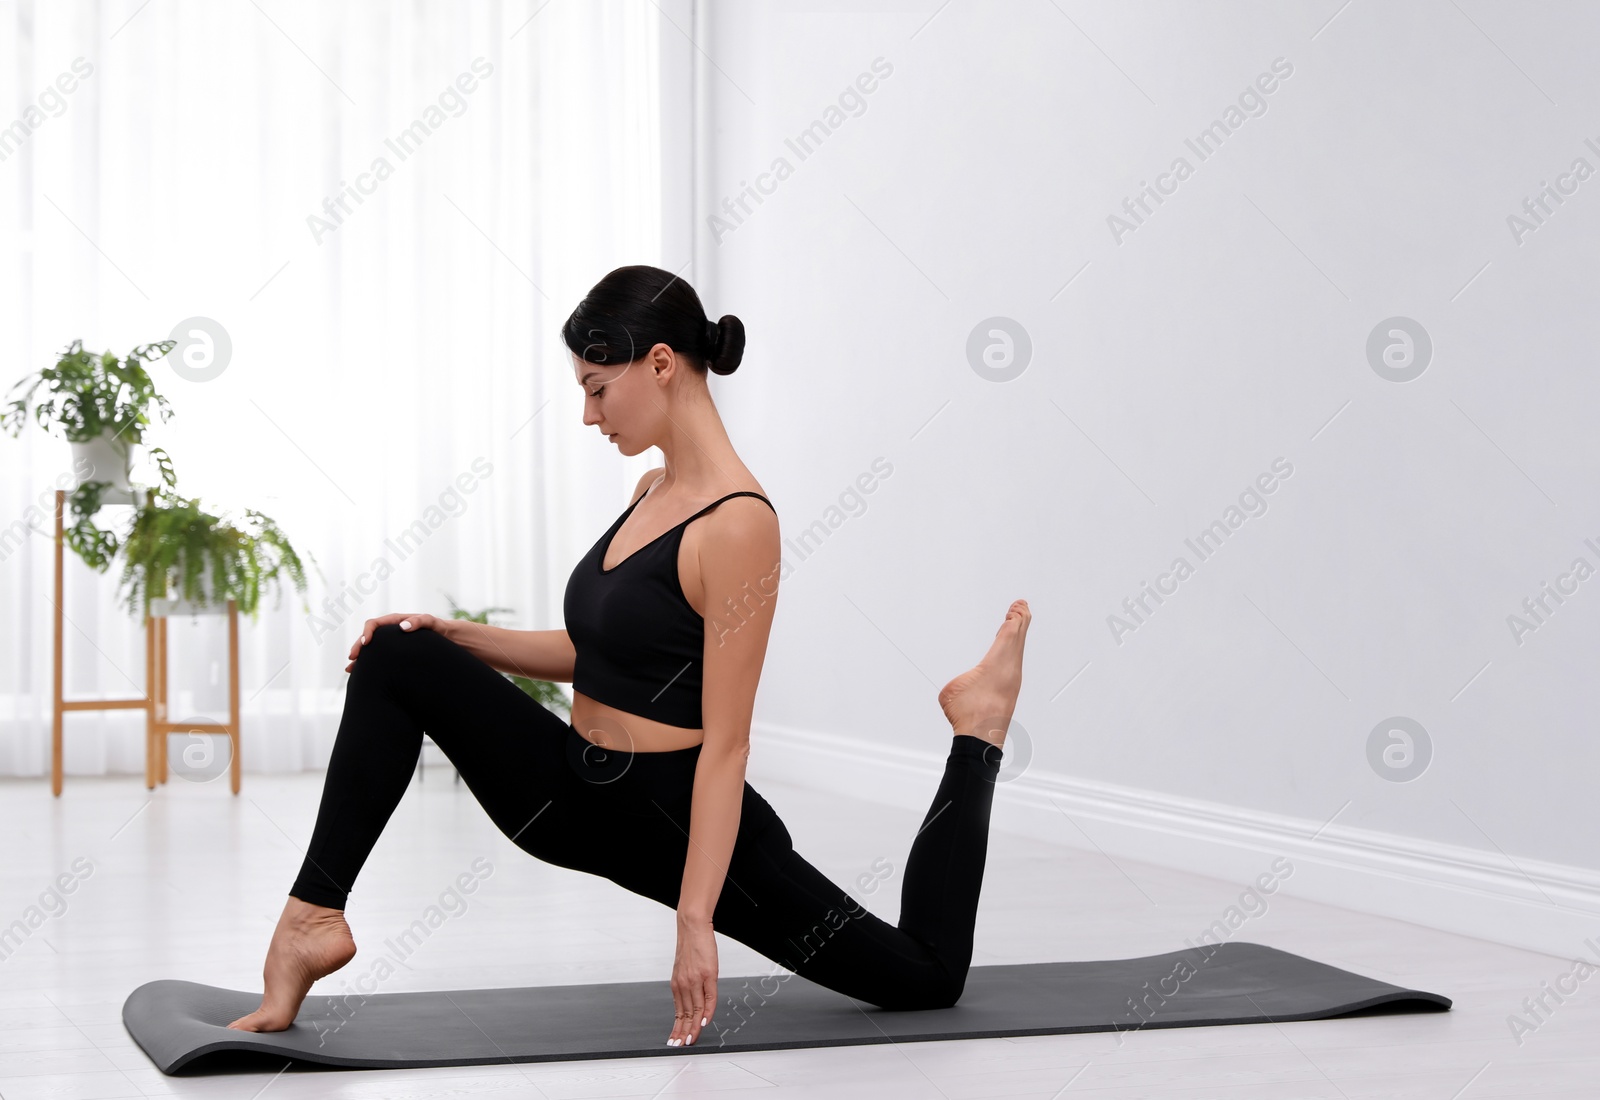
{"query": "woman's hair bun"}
pixel 724 344
pixel 634 308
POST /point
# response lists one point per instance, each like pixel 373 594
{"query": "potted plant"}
pixel 174 544
pixel 542 691
pixel 101 405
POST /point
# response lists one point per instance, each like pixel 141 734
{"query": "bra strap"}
pixel 701 512
pixel 730 496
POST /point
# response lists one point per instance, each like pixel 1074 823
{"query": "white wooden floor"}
pixel 188 883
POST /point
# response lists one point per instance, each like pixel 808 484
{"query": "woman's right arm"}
pixel 536 654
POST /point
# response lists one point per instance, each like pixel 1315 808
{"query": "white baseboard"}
pixel 1547 907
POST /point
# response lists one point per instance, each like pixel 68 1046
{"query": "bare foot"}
pixel 979 702
pixel 311 941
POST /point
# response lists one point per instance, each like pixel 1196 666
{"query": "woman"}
pixel 667 620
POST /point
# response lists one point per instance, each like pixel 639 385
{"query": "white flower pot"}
pixel 109 459
pixel 177 605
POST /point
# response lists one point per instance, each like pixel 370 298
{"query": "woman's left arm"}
pixel 739 565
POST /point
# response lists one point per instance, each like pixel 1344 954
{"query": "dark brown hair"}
pixel 635 308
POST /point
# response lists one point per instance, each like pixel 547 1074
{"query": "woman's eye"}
pixel 598 392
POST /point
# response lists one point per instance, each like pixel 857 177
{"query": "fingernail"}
pixel 363 639
pixel 691 1040
pixel 702 1021
pixel 405 624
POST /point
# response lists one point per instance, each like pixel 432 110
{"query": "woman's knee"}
pixel 388 657
pixel 946 991
pixel 933 990
pixel 389 642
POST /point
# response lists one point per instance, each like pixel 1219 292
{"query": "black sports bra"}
pixel 639 642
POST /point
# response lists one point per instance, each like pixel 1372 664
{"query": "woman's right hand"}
pixel 416 621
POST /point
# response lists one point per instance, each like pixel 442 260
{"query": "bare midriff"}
pixel 611 728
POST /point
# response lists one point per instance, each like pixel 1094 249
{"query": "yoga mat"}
pixel 180 1023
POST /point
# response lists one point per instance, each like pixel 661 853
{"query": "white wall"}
pixel 1227 331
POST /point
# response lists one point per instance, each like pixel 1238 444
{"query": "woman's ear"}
pixel 662 362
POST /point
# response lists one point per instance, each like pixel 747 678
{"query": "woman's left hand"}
pixel 694 981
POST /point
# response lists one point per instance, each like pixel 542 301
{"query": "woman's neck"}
pixel 698 454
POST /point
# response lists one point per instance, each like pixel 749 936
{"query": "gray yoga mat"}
pixel 180 1023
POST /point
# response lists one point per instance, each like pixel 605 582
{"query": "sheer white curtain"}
pixel 389 209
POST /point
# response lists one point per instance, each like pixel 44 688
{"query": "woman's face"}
pixel 615 401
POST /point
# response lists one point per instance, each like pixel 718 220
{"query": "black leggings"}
pixel 571 803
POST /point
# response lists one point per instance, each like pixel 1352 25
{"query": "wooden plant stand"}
pixel 158 726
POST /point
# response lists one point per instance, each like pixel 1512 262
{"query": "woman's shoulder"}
pixel 736 533
pixel 740 512
pixel 751 486
pixel 744 510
